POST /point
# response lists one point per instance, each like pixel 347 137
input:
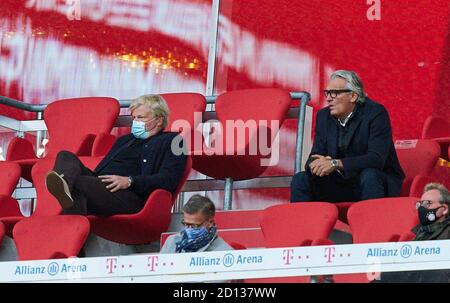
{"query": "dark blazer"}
pixel 160 167
pixel 370 144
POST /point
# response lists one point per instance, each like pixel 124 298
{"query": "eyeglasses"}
pixel 424 203
pixel 192 225
pixel 333 93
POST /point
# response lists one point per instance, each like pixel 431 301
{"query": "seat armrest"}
pixel 85 147
pixel 102 144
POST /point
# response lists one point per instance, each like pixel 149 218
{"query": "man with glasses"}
pixel 136 165
pixel 353 156
pixel 200 232
pixel 433 212
pixel 434 218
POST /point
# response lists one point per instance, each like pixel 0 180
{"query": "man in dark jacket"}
pixel 433 212
pixel 136 165
pixel 353 156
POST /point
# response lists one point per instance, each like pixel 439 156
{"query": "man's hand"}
pixel 321 165
pixel 116 182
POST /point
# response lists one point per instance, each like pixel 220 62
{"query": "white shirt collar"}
pixel 343 123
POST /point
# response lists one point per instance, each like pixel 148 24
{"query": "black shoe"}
pixel 58 187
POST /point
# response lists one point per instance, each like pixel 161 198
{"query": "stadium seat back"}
pixel 382 220
pixel 9 176
pixel 417 158
pixel 70 121
pixel 50 237
pixel 297 224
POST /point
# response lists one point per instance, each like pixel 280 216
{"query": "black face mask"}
pixel 427 216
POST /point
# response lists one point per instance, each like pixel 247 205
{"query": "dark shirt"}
pixel 157 165
pixel 126 162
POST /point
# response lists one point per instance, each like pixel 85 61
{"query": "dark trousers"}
pixel 370 184
pixel 90 195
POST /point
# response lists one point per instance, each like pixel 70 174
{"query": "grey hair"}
pixel 155 103
pixel 353 82
pixel 445 194
pixel 202 204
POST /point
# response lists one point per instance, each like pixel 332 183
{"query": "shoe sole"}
pixel 57 186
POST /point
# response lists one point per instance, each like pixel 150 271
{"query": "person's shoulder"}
pixel 174 237
pixel 373 106
pixel 323 113
pixel 220 244
pixel 124 138
pixel 170 243
pixel 167 135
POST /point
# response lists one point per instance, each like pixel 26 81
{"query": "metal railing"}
pixel 38 126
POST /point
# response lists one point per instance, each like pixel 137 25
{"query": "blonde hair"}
pixel 155 103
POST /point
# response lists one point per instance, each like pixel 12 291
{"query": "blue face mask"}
pixel 138 130
pixel 194 233
pixel 192 239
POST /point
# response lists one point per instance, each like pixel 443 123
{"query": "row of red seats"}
pixel 91 140
pixel 91 135
pixel 310 224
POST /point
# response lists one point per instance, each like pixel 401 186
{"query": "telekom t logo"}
pixel 152 262
pixel 329 253
pixel 288 256
pixel 111 264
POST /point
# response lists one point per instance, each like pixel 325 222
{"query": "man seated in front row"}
pixel 200 233
pixel 136 165
pixel 434 218
pixel 353 156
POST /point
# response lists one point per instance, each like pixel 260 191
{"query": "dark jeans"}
pixel 371 184
pixel 90 195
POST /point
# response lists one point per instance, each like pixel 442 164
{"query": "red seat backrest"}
pixel 69 121
pixel 237 219
pixel 382 220
pixel 294 224
pixel 436 127
pixel 256 106
pixel 417 158
pixel 51 237
pixel 185 115
pixel 9 176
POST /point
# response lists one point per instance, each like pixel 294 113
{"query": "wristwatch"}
pixel 334 163
pixel 130 181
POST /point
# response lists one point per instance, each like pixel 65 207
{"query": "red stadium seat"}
pixel 380 220
pixel 238 219
pixel 72 125
pixel 296 224
pixel 145 226
pixel 408 152
pixel 46 204
pixel 2 232
pixel 230 157
pixel 438 129
pixel 52 237
pixel 9 176
pixel 183 108
pixel 244 105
